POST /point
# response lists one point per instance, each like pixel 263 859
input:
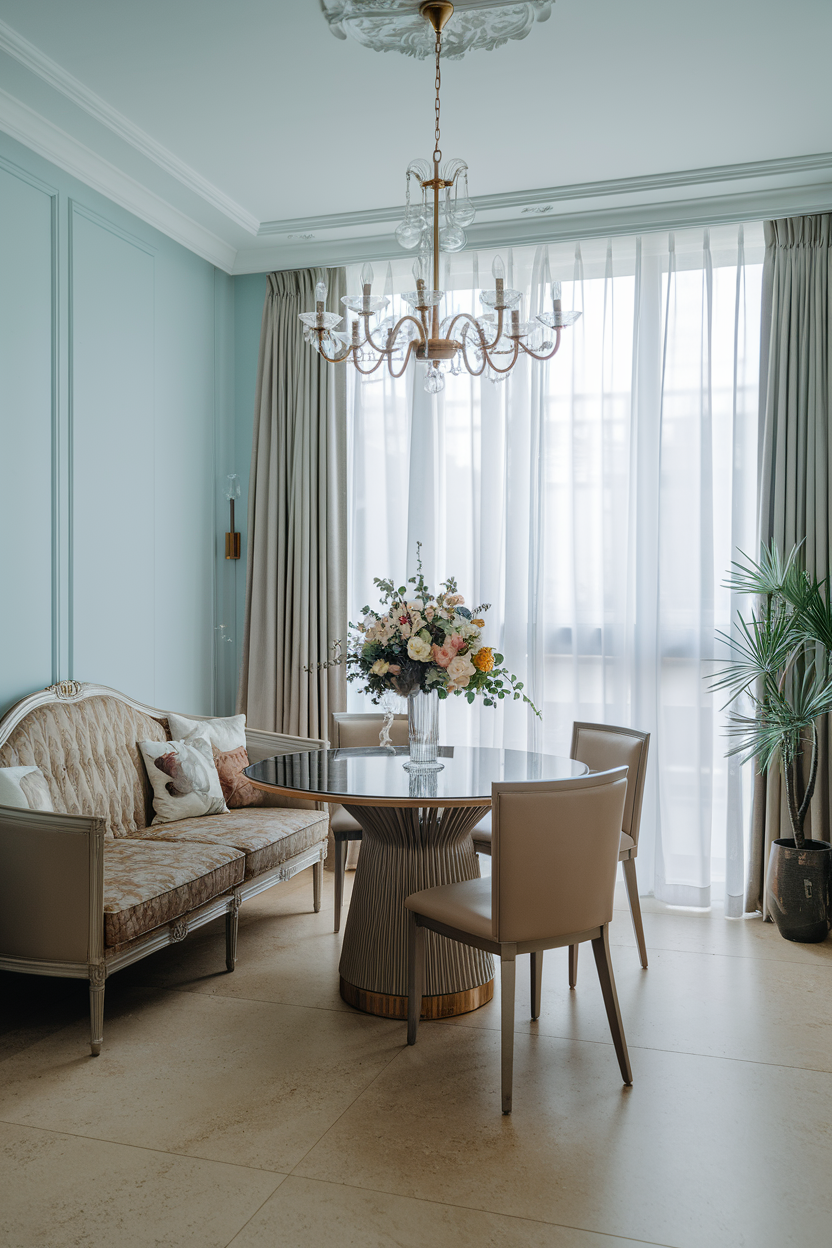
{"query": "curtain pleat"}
pixel 795 470
pixel 297 524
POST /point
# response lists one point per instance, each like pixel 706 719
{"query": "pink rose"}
pixel 455 641
pixel 442 655
pixel 394 669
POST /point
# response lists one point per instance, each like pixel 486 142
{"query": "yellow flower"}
pixel 479 623
pixel 483 660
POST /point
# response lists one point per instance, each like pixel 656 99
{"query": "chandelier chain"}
pixel 437 154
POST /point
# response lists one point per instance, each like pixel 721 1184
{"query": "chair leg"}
pixel 415 974
pixel 573 965
pixel 232 925
pixel 508 968
pixel 536 983
pixel 340 871
pixel 96 1018
pixel 317 884
pixel 603 961
pixel 629 865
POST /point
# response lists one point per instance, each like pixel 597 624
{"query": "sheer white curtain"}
pixel 596 502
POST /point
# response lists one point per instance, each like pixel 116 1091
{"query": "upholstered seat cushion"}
pixel 466 905
pixel 268 836
pixel 147 884
pixel 482 836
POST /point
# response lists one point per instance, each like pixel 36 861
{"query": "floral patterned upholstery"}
pixel 148 884
pixel 89 754
pixel 267 836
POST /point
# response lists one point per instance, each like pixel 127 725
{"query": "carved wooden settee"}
pixel 92 887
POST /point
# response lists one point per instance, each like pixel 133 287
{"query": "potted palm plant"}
pixel 782 665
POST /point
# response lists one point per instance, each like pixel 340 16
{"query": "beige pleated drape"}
pixel 297 525
pixel 795 466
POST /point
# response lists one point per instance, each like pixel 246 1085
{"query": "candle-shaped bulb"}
pixel 367 276
pixel 420 270
pixel 498 269
pixel 320 292
pixel 556 299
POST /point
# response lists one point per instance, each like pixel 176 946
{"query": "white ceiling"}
pixel 238 114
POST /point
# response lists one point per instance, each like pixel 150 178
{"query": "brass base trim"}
pixel 385 1005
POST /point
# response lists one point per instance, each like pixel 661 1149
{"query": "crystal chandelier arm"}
pixel 475 372
pixel 365 372
pixel 393 334
pixel 466 316
pixel 411 347
pixel 535 355
pixel 511 362
pixel 332 359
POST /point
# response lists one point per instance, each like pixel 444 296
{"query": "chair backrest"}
pixel 554 854
pixel 602 747
pixel 352 730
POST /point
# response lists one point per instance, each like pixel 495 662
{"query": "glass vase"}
pixel 423 729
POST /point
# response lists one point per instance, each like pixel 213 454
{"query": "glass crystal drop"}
pixel 408 235
pixel 434 381
pixel 451 238
pixel 464 211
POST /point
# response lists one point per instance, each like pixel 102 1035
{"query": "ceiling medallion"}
pixel 396 25
pixel 490 343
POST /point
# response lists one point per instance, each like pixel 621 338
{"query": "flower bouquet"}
pixel 425 642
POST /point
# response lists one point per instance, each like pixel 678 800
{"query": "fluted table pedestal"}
pixel 403 850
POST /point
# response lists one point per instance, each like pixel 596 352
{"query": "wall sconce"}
pixel 232 539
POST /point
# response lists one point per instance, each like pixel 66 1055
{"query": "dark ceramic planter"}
pixel 798 889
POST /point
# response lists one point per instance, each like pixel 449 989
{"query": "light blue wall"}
pixel 117 427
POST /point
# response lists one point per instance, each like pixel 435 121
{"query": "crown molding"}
pixel 677 214
pixel 787 166
pixel 37 62
pixel 48 140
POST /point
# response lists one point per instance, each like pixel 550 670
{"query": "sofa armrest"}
pixel 261 744
pixel 51 887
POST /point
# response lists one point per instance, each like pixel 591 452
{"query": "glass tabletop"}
pixel 377 776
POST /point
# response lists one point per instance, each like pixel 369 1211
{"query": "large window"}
pixel 596 502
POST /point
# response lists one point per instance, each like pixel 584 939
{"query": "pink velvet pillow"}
pixel 237 789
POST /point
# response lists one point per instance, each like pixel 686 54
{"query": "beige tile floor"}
pixel 257 1110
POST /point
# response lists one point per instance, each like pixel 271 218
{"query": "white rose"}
pixel 460 671
pixel 420 650
pixel 379 668
pixel 417 605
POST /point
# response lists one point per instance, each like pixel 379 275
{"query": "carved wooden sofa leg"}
pixel 98 975
pixel 232 923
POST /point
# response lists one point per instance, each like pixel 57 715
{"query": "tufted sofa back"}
pixel 88 752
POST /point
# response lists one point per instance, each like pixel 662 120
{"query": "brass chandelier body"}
pixel 494 341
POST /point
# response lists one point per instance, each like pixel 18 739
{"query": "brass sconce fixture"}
pixel 232 539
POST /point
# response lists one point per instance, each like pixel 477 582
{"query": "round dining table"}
pixel 416 833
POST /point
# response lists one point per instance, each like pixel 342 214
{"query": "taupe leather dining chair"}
pixel 555 850
pixel 350 731
pixel 602 746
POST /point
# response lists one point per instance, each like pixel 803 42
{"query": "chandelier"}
pixel 489 343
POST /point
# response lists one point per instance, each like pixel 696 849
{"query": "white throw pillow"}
pixel 225 734
pixel 25 788
pixel 185 780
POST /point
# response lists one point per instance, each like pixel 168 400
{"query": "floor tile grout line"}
pixel 644 1048
pixel 724 953
pixel 335 1121
pixel 449 1204
pixel 145 1148
pixel 240 1229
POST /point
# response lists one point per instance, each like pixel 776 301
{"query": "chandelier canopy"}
pixel 490 343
